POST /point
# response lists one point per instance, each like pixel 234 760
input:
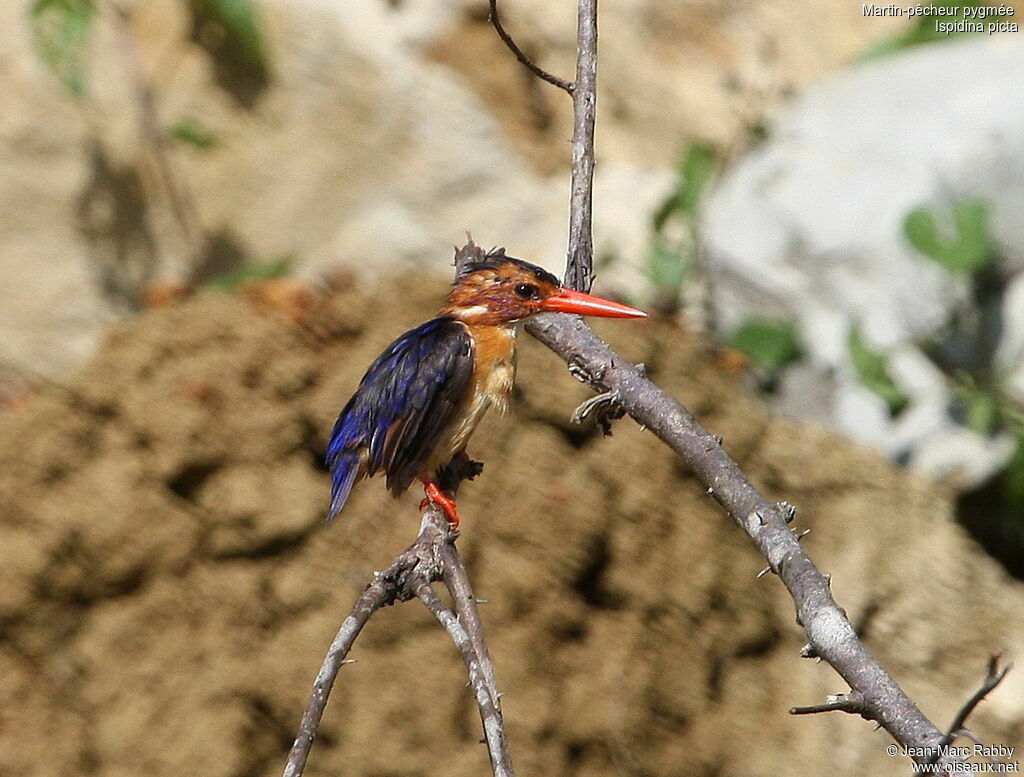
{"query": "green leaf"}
pixel 696 167
pixel 981 412
pixel 238 20
pixel 666 265
pixel 252 271
pixel 769 343
pixel 60 29
pixel 871 367
pixel 190 130
pixel 1013 477
pixel 967 251
pixel 668 208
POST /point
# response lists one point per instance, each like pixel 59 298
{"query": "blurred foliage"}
pixel 236 25
pixel 925 29
pixel 872 368
pixel 696 167
pixel 964 252
pixel 989 411
pixel 960 241
pixel 769 343
pixel 1013 479
pixel 667 265
pixel 981 409
pixel 675 224
pixel 193 132
pixel 230 33
pixel 250 272
pixel 60 29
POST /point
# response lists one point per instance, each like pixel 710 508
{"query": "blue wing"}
pixel 403 404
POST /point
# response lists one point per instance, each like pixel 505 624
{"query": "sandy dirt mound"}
pixel 167 587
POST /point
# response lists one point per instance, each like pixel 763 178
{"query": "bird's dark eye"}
pixel 527 291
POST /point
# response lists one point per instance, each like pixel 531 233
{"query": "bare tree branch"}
pixel 542 74
pixel 829 632
pixel 430 558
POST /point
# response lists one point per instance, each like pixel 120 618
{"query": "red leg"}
pixel 438 497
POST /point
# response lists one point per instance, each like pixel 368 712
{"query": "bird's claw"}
pixel 460 468
pixel 604 407
pixel 469 468
pixel 583 373
pixel 436 496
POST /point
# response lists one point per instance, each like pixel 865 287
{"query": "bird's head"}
pixel 495 289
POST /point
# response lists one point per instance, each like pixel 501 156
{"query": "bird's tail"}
pixel 344 470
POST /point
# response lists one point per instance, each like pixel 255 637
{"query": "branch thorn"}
pixel 788 511
pixel 852 702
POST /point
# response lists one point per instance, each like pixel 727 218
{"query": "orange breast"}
pixel 493 375
pixel 495 369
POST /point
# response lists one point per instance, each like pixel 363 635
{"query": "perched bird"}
pixel 420 401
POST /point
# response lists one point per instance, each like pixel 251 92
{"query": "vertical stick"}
pixel 579 271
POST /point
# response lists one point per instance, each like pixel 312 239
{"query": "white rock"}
pixel 810 226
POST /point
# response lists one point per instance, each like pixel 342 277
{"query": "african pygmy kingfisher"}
pixel 420 401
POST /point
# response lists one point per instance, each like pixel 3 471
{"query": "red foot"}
pixel 437 496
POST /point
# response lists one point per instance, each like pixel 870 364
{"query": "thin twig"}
pixel 538 71
pixel 367 604
pixel 178 194
pixel 993 677
pixel 416 565
pixel 579 271
pixel 453 573
pixel 490 712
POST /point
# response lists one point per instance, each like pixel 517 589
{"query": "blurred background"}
pixel 215 213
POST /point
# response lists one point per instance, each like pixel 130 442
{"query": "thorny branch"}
pixel 874 694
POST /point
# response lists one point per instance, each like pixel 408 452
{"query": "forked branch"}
pixel 432 557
